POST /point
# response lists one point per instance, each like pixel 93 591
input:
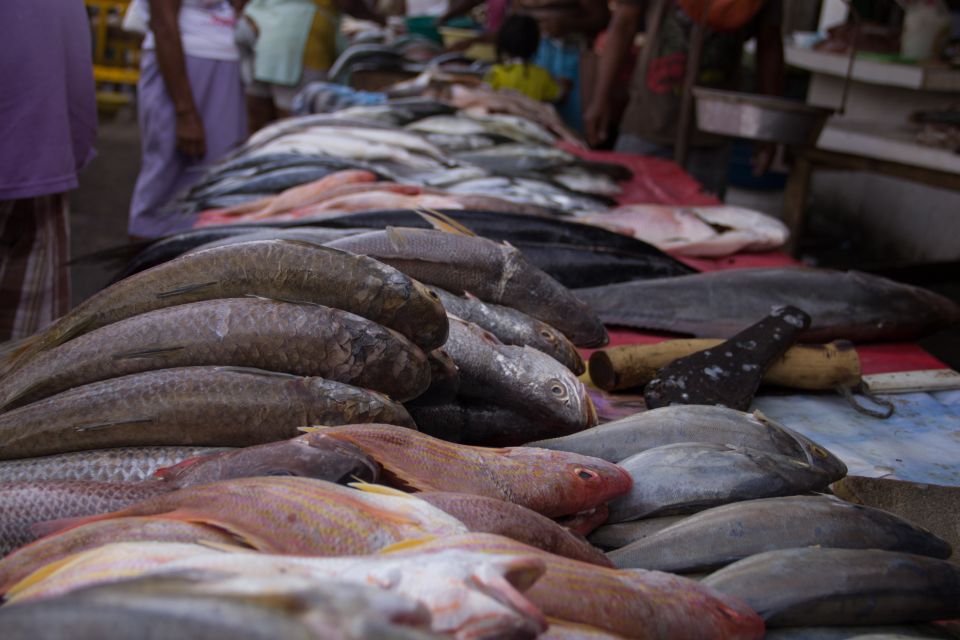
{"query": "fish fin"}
pixel 38 576
pixel 194 517
pixel 314 428
pixel 50 527
pixel 470 296
pixel 383 490
pixel 168 473
pixel 96 426
pixel 301 242
pixel 14 352
pixel 254 296
pixel 443 222
pixel 226 547
pixel 189 288
pixel 253 371
pixel 146 353
pixel 396 238
pixel 406 545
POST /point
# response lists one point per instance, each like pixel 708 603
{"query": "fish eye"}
pixel 557 389
pixel 433 294
pixel 817 450
pixel 279 472
pixel 586 474
pixel 547 335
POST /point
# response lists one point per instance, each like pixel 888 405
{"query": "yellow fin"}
pixel 383 490
pixel 443 222
pixel 407 545
pixel 40 575
pixel 311 429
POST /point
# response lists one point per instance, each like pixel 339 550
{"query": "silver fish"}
pixel 125 464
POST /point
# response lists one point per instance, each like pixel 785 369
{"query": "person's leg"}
pixel 711 168
pixel 260 112
pixel 34 275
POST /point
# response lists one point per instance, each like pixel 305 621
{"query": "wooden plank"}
pixel 913 381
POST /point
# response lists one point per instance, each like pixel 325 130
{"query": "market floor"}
pixel 99 221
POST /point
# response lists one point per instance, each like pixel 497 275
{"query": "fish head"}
pixel 555 394
pixel 430 316
pixel 554 343
pixel 319 457
pixel 470 594
pixel 571 483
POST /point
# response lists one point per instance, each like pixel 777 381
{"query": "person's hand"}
pixel 763 154
pixel 191 140
pixel 596 121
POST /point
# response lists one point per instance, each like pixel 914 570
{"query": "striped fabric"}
pixel 34 275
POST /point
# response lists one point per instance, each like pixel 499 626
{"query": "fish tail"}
pixel 15 352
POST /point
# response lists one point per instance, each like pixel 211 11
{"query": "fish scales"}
pixel 306 340
pixel 208 406
pixel 124 464
pixel 279 269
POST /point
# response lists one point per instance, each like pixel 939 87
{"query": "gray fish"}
pixel 209 406
pixel 125 464
pixel 318 235
pixel 477 423
pixel 513 327
pixel 306 340
pixel 693 476
pixel 620 534
pixel 885 632
pixel 813 587
pixel 521 379
pixel 622 438
pixel 719 536
pixel 491 271
pixel 843 305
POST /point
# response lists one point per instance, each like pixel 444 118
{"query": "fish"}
pixel 815 586
pixel 305 194
pixel 633 603
pixel 493 272
pixel 491 515
pixel 620 534
pixel 620 439
pixel 847 305
pixel 562 630
pixel 24 504
pixel 124 464
pixel 693 476
pixel 266 182
pixel 469 595
pixel 522 379
pixel 294 515
pixel 872 632
pixel 730 373
pixel 444 379
pixel 207 406
pixel 50 549
pixel 279 269
pixel 513 327
pixel 565 483
pixel 329 459
pixel 179 607
pixel 714 538
pixel 471 422
pixel 449 143
pixel 316 235
pixel 583 523
pixel 582 180
pixel 300 339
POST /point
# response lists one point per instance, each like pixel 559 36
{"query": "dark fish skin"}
pixel 209 406
pixel 514 327
pixel 23 504
pixel 305 340
pixel 318 235
pixel 490 515
pixel 628 436
pixel 278 269
pixel 843 305
pixel 716 537
pixel 267 182
pixel 444 379
pixel 491 271
pixel 124 464
pixel 693 476
pixel 620 534
pixel 476 423
pixel 814 586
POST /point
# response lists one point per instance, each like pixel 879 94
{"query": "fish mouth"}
pixel 589 413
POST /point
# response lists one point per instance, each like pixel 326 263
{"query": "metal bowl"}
pixel 757 117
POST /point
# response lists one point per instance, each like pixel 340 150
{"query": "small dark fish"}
pixel 716 537
pixel 477 423
pixel 267 182
pixel 513 327
pixel 693 476
pixel 620 534
pixel 444 380
pixel 730 373
pixel 814 586
pixel 843 305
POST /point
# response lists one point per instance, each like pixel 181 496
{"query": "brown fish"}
pixel 306 340
pixel 279 269
pixel 489 270
pixel 212 406
pixel 123 464
pixel 552 483
pixel 490 515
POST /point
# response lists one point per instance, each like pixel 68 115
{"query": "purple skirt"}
pixel 164 172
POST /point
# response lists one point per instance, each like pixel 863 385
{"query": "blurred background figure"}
pixel 48 122
pixel 517 42
pixel 649 125
pixel 189 104
pixel 286 44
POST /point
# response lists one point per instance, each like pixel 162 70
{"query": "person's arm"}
pixel 623 27
pixel 166 31
pixel 362 10
pixel 458 8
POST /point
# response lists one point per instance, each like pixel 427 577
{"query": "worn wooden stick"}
pixel 816 367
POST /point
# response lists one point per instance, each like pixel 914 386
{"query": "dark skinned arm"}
pixel 166 30
pixel 362 10
pixel 623 27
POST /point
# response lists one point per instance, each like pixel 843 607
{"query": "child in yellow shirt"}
pixel 517 43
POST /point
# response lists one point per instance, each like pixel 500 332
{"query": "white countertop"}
pixel 886 143
pixel 891 74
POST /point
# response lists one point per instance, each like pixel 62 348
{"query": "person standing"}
pixel 190 105
pixel 48 123
pixel 649 125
